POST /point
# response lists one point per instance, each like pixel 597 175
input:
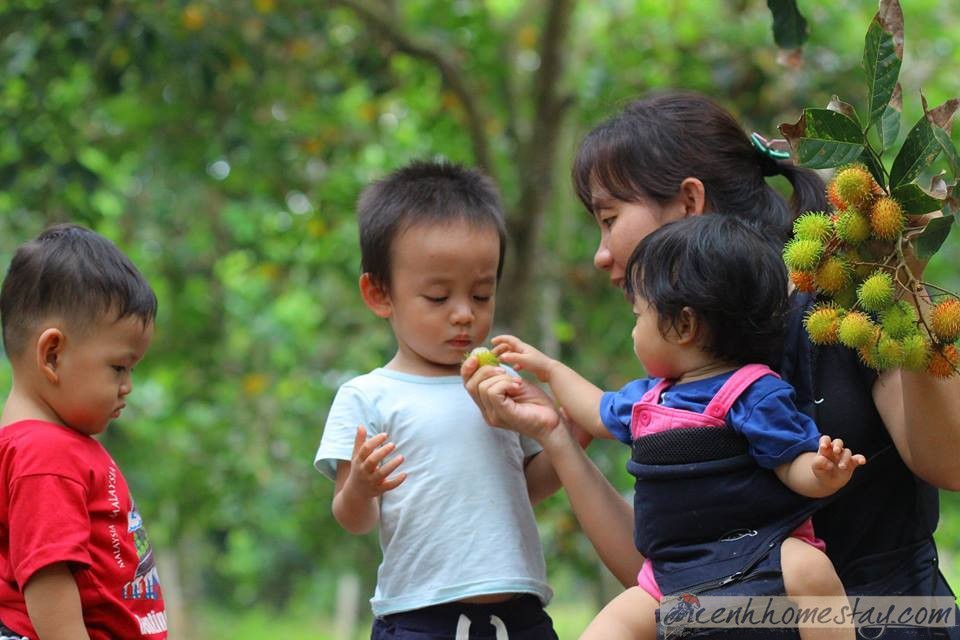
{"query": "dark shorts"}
pixel 7 634
pixel 522 618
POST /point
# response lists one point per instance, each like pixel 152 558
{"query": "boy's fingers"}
pixel 371 444
pixel 372 461
pixel 859 459
pixel 359 439
pixel 469 367
pixel 393 483
pixel 390 466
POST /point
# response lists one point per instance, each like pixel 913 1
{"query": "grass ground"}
pixel 254 624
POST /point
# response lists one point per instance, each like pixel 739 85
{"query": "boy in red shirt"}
pixel 75 562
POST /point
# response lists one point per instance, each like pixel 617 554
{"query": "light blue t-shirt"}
pixel 461 524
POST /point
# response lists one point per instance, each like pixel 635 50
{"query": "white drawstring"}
pixel 463 628
pixel 500 627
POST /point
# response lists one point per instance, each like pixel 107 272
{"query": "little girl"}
pixel 725 464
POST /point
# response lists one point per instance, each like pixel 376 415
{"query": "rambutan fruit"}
pixel 886 219
pixel 854 185
pixel 822 323
pixel 943 362
pixel 813 226
pixel 833 196
pixel 868 356
pixel 916 352
pixel 888 354
pixel 803 281
pixel 833 274
pixel 945 320
pixel 876 292
pixel 852 227
pixel 899 319
pixel 856 330
pixel 802 254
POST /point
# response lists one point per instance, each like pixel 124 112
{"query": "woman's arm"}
pixel 922 415
pixel 606 518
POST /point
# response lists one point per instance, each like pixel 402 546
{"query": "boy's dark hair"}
pixel 72 272
pixel 728 272
pixel 423 193
pixel 647 149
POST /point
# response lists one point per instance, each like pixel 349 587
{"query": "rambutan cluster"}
pixel 848 257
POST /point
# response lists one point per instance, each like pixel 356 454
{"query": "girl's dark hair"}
pixel 423 193
pixel 728 271
pixel 653 144
pixel 71 272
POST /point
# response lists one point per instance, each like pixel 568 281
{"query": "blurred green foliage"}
pixel 222 145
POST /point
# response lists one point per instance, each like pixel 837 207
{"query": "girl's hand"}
pixel 834 463
pixel 521 356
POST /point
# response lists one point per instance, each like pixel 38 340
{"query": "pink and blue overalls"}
pixel 707 516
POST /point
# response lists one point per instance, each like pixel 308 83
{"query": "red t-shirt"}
pixel 63 499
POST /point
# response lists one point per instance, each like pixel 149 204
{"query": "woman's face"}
pixel 623 225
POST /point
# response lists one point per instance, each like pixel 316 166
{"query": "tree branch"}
pixel 450 73
pixel 538 157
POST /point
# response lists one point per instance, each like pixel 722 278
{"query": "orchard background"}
pixel 222 144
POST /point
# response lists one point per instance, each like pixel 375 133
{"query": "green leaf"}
pixel 929 242
pixel 914 200
pixel 838 105
pixel 949 149
pixel 918 152
pixel 889 126
pixel 823 138
pixel 789 26
pixel 882 57
pixel 873 166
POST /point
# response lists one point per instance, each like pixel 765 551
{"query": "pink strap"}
pixel 736 385
pixel 653 395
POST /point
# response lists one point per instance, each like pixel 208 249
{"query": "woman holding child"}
pixel 674 155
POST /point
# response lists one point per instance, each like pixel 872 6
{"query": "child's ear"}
pixel 49 350
pixel 375 296
pixel 687 326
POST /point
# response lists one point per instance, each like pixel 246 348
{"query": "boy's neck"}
pixel 21 406
pixel 401 364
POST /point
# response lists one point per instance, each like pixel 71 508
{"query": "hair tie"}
pixel 769 158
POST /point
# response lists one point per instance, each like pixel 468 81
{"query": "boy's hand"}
pixel 834 463
pixel 369 474
pixel 521 356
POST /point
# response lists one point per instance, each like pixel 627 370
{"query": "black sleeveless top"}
pixel 885 509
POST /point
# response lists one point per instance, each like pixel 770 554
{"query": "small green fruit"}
pixel 813 226
pixel 822 323
pixel 899 320
pixel 802 255
pixel 485 357
pixel 916 352
pixel 856 330
pixel 852 227
pixel 876 292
